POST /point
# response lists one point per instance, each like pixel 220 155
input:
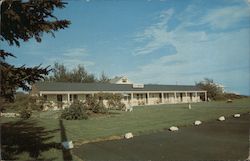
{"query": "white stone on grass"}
pixel 189 106
pixel 237 115
pixel 128 135
pixel 173 128
pixel 67 145
pixel 222 118
pixel 197 122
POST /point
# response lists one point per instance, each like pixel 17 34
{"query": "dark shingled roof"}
pixel 60 86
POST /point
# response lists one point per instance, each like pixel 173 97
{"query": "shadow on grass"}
pixel 66 152
pixel 26 137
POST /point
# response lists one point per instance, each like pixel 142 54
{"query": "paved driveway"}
pixel 214 140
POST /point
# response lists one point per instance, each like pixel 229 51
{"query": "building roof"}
pixel 62 86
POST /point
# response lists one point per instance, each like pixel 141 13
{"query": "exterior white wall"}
pixel 138 99
pixel 154 98
pixel 123 80
pixel 168 98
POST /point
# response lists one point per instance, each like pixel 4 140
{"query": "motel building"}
pixel 62 94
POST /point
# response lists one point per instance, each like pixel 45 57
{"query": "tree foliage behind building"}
pixel 214 91
pixel 61 73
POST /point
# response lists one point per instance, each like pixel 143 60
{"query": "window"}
pixel 75 97
pixel 70 97
pixel 45 97
pixel 59 98
pixel 191 96
pixel 124 80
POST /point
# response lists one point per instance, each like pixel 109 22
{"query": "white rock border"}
pixel 173 128
pixel 128 135
pixel 197 122
pixel 222 118
pixel 237 115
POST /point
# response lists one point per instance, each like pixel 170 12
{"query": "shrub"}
pixel 76 111
pixel 114 102
pixel 100 108
pixel 25 113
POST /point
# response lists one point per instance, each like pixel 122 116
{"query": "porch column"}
pixel 68 98
pixel 132 99
pixel 186 97
pixel 162 97
pixel 175 97
pixel 196 97
pixel 205 96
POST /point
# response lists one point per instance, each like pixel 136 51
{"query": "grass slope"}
pixel 148 119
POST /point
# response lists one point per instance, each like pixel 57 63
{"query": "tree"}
pixel 60 73
pixel 80 74
pixel 104 78
pixel 213 89
pixel 22 21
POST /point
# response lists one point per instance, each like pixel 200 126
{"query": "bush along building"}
pixel 62 94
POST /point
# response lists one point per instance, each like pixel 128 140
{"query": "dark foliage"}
pixel 30 19
pixel 60 73
pixel 100 108
pixel 95 103
pixel 104 78
pixel 25 113
pixel 74 112
pixel 22 21
pixel 18 77
pixel 213 90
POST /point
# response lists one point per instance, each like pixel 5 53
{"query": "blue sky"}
pixel 151 41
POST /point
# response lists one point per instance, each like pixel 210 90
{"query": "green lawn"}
pixel 142 120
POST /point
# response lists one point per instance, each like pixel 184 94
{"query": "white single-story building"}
pixel 63 93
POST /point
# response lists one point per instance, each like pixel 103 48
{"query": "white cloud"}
pixel 75 52
pixel 72 57
pixel 156 35
pixel 223 56
pixel 223 18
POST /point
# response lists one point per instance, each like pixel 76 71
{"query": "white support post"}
pixel 162 97
pixel 205 96
pixel 68 98
pixel 132 99
pixel 186 99
pixel 196 97
pixel 175 101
